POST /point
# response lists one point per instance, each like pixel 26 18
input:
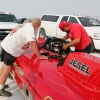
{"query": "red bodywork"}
pixel 77 79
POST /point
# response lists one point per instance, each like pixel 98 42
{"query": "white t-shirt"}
pixel 16 43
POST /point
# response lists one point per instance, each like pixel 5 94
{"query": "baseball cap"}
pixel 63 24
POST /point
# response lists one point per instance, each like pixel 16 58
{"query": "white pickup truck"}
pixel 7 22
pixel 50 27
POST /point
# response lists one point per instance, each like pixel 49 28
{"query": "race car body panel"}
pixel 77 78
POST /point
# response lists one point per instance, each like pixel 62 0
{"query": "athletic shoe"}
pixel 5 93
pixel 6 86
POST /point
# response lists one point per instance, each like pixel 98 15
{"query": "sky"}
pixel 36 8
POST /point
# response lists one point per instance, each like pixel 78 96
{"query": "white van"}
pixel 51 22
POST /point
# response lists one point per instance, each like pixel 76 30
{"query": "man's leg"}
pixel 8 59
pixel 4 72
pixel 5 86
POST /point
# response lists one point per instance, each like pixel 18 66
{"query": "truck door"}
pixel 49 24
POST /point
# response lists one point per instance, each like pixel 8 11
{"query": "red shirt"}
pixel 78 31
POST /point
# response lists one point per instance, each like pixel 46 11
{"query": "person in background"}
pixel 14 45
pixel 78 36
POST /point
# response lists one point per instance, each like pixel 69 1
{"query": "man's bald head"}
pixel 36 21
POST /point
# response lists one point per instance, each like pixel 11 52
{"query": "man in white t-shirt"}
pixel 14 45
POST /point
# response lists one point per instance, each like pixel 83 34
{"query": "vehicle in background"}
pixel 28 20
pixel 22 20
pixel 99 21
pixel 50 27
pixel 8 21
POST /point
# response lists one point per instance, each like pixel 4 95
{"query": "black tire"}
pixel 92 46
pixel 10 76
pixel 42 34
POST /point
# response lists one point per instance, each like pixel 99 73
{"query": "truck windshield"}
pixel 88 21
pixel 7 18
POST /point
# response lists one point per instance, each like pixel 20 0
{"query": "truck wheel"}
pixel 42 34
pixel 92 46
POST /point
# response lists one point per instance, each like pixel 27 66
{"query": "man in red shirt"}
pixel 78 36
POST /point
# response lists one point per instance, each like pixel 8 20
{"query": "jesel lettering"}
pixel 80 67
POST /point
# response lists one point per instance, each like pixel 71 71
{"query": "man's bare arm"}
pixel 65 37
pixel 72 43
pixel 35 49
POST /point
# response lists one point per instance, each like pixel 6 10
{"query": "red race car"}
pixel 66 75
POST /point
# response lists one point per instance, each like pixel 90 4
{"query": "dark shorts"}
pixel 7 58
pixel 87 49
